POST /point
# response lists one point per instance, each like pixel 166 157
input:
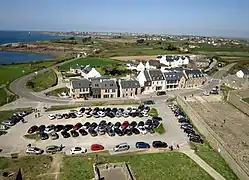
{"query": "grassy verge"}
pixel 58 91
pixel 100 103
pixel 6 97
pixel 153 112
pixel 31 166
pixel 212 157
pixel 42 81
pixel 34 136
pixel 246 100
pixel 145 167
pixel 7 114
pixel 225 90
pixel 160 129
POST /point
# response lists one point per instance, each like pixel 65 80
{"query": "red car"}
pixel 96 147
pixel 125 125
pixel 77 126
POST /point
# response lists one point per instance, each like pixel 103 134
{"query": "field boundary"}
pixel 235 98
pixel 215 141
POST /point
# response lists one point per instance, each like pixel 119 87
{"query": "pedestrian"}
pixel 224 121
pixel 35 115
pixel 38 114
pixel 177 146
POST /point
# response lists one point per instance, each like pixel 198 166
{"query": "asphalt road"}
pixel 222 72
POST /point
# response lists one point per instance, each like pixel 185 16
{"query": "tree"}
pixel 30 84
pixel 140 41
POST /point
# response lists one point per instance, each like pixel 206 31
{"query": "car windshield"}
pixel 77 148
pixel 36 149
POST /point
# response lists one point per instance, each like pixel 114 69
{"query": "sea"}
pixel 23 36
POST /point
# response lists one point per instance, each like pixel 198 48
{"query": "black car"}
pixel 155 123
pixel 44 136
pixel 58 128
pixel 150 130
pixel 148 122
pixel 186 126
pixel 119 132
pixel 87 125
pixel 110 132
pixel 110 125
pixel 94 125
pixel 157 118
pixel 41 128
pixel 141 123
pixel 159 144
pixel 135 131
pixel 83 132
pixel 183 120
pixel 82 110
pixel 161 93
pixel 33 129
pixel 102 123
pixel 117 125
pixel 133 124
pixel 65 134
pixel 194 135
pixel 92 132
pixel 72 115
pixel 74 133
pixel 195 139
pixel 141 107
pixel 149 102
pixel 189 131
pixel 95 115
pixel 66 116
pixel 110 114
pixel 67 127
pixel 128 132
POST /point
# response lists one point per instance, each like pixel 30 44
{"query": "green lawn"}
pixel 42 81
pixel 160 129
pixel 159 166
pixel 92 61
pixel 31 166
pixel 58 91
pixel 153 112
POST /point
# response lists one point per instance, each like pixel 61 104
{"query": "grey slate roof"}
pixel 83 83
pixel 98 78
pixel 129 84
pixel 245 71
pixel 156 75
pixel 86 70
pixel 173 75
pixel 154 63
pixel 193 72
pixel 147 76
pixel 108 84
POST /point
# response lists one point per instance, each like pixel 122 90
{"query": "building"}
pixel 194 77
pixel 85 71
pixel 173 60
pixel 152 64
pixel 244 73
pixel 174 80
pixel 80 88
pixel 134 66
pixel 109 88
pixel 128 88
pixel 140 67
pixel 235 82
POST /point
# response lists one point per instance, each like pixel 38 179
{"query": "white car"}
pixel 145 114
pixel 79 114
pixel 51 116
pixel 101 113
pixel 49 129
pixel 58 116
pixel 78 150
pixel 34 150
pixel 142 130
pixel 88 115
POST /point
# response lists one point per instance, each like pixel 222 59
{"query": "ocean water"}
pixel 22 36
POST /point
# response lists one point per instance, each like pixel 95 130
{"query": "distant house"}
pixel 194 77
pixel 129 88
pixel 85 71
pixel 109 89
pixel 173 60
pixel 244 73
pixel 140 67
pixel 174 80
pixel 134 66
pixel 152 64
pixel 80 88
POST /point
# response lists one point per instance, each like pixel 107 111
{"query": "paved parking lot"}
pixel 14 141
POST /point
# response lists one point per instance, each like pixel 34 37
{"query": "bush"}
pixel 153 112
pixel 160 129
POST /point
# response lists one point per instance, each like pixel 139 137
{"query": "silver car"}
pixel 34 150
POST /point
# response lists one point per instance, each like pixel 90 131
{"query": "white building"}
pixel 244 73
pixel 173 60
pixel 89 72
pixel 140 67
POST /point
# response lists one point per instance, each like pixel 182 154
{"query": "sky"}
pixel 193 17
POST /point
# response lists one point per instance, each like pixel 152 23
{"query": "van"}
pixel 161 93
pixel 121 147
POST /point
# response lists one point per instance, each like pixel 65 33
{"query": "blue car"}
pixel 142 145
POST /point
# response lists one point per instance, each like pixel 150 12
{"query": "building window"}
pixel 111 95
pixel 111 84
pixel 131 94
pixel 157 82
pixel 126 89
pixel 106 96
pixel 105 90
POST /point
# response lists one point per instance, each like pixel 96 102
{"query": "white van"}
pixel 121 147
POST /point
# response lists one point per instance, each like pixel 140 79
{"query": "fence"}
pixel 235 98
pixel 215 141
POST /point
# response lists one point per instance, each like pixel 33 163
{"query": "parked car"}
pixel 77 126
pixel 133 124
pixel 117 125
pixel 41 128
pixel 88 115
pixel 66 116
pixel 49 129
pixel 161 93
pixel 86 125
pixel 8 122
pixel 74 133
pixel 142 130
pixel 53 149
pixel 68 127
pixel 65 134
pixel 159 144
pixel 149 102
pixel 72 115
pixel 83 132
pixel 58 128
pixel 195 139
pixel 118 131
pixel 54 136
pixel 97 147
pixel 125 124
pixel 33 129
pixel 135 131
pixel 3 127
pixel 121 147
pixel 110 132
pixel 79 114
pixel 187 130
pixel 150 130
pixel 78 150
pixel 140 124
pixel 142 145
pixel 156 118
pixel 44 136
pixel 51 116
pixel 92 132
pixel 34 150
pixel 186 126
pixel 58 116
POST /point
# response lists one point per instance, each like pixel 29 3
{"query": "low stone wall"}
pixel 235 98
pixel 215 141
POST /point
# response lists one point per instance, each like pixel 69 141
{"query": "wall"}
pixel 235 98
pixel 214 140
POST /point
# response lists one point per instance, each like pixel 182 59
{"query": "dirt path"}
pixel 191 154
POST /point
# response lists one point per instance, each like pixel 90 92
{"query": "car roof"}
pixel 123 144
pixel 51 146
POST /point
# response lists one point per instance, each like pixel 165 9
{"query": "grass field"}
pixel 93 62
pixel 160 166
pixel 31 166
pixel 42 81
